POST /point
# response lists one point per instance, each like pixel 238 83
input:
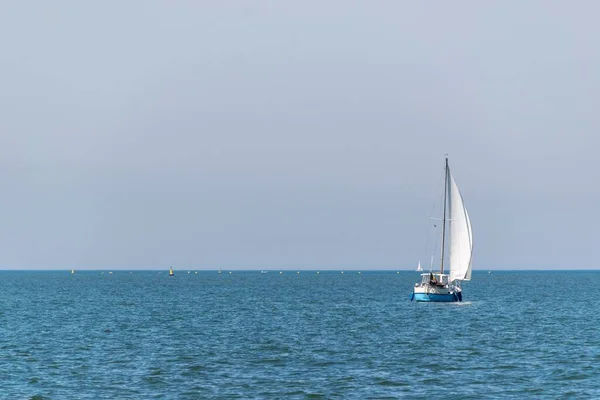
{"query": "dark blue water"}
pixel 251 335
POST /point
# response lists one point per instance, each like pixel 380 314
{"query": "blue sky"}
pixel 295 134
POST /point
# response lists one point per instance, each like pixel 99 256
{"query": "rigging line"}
pixel 438 230
pixel 446 177
pixel 432 227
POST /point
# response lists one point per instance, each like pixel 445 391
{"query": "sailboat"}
pixel 419 268
pixel 439 286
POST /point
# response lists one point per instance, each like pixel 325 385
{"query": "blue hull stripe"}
pixel 433 297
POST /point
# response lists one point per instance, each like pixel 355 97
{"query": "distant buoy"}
pixel 171 273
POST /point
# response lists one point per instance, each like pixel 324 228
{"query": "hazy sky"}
pixel 308 134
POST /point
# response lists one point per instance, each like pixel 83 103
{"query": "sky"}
pixel 296 135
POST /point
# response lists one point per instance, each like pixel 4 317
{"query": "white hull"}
pixel 431 289
pixel 437 294
pixel 438 290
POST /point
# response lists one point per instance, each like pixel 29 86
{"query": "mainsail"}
pixel 461 236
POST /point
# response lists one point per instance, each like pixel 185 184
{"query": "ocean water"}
pixel 330 335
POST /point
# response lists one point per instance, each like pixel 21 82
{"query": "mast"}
pixel 444 218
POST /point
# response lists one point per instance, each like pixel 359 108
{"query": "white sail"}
pixel 461 236
pixel 419 267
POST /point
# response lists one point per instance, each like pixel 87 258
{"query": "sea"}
pixel 290 335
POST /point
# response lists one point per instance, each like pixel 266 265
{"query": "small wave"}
pixel 389 383
pixel 196 368
pixel 324 363
pixel 296 393
pixel 271 361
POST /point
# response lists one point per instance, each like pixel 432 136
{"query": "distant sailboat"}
pixel 171 273
pixel 441 287
pixel 419 268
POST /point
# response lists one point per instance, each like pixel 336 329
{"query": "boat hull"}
pixel 435 297
pixel 428 290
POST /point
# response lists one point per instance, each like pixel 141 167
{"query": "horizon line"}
pixel 280 269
